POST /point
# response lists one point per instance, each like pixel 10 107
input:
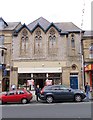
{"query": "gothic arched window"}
pixel 91 51
pixel 24 41
pixel 38 42
pixel 52 42
pixel 72 41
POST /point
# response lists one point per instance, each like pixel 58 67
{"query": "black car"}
pixel 61 93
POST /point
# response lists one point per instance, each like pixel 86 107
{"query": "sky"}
pixel 26 11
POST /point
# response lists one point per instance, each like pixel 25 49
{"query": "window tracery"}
pixel 52 42
pixel 38 42
pixel 24 41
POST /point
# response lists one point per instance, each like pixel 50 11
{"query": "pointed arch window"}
pixel 52 41
pixel 91 51
pixel 24 41
pixel 72 43
pixel 38 42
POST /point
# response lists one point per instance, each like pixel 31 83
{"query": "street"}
pixel 44 110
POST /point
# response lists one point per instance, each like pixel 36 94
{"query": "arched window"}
pixel 52 42
pixel 72 41
pixel 91 51
pixel 24 41
pixel 38 42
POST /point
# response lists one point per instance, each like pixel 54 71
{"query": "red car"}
pixel 15 96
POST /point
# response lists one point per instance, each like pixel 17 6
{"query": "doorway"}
pixel 74 82
pixel 40 82
pixel 5 84
pixel 39 79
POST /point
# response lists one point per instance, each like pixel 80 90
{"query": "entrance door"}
pixel 40 82
pixel 39 79
pixel 74 82
pixel 5 84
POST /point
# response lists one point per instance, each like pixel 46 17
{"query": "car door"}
pixel 56 92
pixel 10 97
pixel 66 93
pixel 19 95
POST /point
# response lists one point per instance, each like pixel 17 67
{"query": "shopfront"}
pixel 40 79
pixel 89 74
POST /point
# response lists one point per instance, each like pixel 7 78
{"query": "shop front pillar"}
pixel 14 76
pixel 47 76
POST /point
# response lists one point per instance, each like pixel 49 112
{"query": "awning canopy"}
pixel 89 67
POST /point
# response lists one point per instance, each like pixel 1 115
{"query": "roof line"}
pixel 4 21
pixel 37 25
pixel 36 20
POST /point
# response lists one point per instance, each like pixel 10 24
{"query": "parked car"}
pixel 61 93
pixel 16 96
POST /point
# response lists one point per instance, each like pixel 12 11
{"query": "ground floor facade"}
pixel 28 74
pixel 89 74
pixel 31 73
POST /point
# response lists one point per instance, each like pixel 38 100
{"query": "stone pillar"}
pixel 65 77
pixel 14 76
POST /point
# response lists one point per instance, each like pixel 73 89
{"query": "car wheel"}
pixel 24 101
pixel 49 99
pixel 78 98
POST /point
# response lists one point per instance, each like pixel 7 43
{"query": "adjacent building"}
pixel 6 34
pixel 87 47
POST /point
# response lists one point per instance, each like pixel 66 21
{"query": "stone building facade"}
pixel 41 52
pixel 47 51
pixel 87 48
pixel 6 32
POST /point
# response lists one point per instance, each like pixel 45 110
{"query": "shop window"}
pixel 91 51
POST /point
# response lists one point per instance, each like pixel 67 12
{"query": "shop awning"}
pixel 89 67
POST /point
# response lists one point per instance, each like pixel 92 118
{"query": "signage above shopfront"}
pixel 89 67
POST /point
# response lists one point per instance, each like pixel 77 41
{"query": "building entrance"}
pixel 5 84
pixel 39 79
pixel 40 82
